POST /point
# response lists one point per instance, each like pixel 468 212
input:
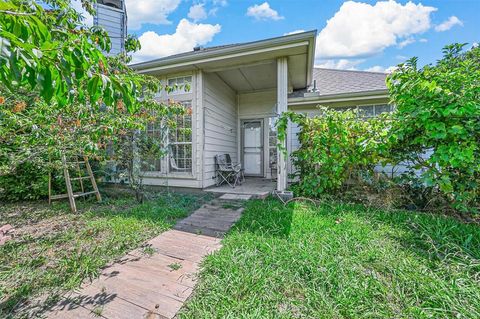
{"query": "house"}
pixel 111 15
pixel 236 93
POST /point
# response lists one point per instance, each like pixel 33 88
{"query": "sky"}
pixel 362 34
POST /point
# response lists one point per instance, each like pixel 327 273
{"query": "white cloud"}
pixel 423 40
pixel 376 68
pixel 263 12
pixel 197 12
pixel 381 69
pixel 448 24
pixel 88 18
pixel 221 3
pixel 360 29
pixel 341 64
pixel 187 36
pixel 406 42
pixel 294 32
pixel 149 11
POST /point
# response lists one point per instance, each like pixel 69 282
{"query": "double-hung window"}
pixel 180 142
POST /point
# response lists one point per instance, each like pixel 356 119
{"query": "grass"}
pixel 55 250
pixel 340 261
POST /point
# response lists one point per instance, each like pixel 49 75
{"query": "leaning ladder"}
pixel 68 181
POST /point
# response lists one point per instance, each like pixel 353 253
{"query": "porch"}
pixel 254 186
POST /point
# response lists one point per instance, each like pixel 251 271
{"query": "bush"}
pixel 335 148
pixel 438 109
pixel 27 182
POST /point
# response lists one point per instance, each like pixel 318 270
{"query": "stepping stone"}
pixel 154 286
pixel 235 197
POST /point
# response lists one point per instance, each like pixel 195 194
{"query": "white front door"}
pixel 252 147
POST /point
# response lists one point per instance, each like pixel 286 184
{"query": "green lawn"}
pixel 340 261
pixel 55 250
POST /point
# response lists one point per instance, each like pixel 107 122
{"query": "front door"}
pixel 252 147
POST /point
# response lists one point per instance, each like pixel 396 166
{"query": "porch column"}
pixel 282 92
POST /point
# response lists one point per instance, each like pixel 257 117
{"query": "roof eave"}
pixel 241 48
pixel 373 94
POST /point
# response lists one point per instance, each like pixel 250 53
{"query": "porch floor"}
pixel 255 186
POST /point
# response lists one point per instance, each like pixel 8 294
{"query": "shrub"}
pixel 438 109
pixel 27 182
pixel 334 148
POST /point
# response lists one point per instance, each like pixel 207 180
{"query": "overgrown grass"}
pixel 340 261
pixel 55 250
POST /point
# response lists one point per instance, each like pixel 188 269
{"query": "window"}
pixel 180 84
pixel 367 111
pixel 180 142
pixel 154 132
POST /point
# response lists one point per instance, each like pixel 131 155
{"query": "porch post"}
pixel 282 92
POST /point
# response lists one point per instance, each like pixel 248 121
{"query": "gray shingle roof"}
pixel 332 82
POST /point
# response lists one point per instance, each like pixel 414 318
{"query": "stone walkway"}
pixel 154 285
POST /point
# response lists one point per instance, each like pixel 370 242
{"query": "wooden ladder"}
pixel 68 181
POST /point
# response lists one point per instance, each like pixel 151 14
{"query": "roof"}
pixel 338 82
pixel 192 56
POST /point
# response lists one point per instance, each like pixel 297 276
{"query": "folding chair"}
pixel 237 166
pixel 226 172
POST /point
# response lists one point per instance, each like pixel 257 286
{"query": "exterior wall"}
pixel 114 22
pixel 258 105
pixel 193 180
pixel 220 120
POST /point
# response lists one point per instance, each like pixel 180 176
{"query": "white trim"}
pixel 223 57
pixel 282 106
pixel 340 98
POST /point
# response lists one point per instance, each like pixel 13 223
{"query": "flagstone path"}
pixel 154 285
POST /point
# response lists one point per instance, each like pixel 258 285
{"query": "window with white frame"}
pixel 180 85
pixel 180 142
pixel 155 132
pixel 367 111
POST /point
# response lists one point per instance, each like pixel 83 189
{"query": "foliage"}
pixel 136 151
pixel 51 52
pixel 29 182
pixel 59 93
pixel 334 148
pixel 340 261
pixel 55 250
pixel 438 110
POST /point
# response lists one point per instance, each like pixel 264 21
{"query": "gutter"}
pixel 375 94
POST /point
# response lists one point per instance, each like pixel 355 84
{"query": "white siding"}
pixel 220 121
pixel 113 21
pixel 257 104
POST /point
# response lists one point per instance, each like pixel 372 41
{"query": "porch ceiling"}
pixel 262 75
pixel 251 78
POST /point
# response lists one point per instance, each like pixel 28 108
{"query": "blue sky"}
pixel 361 34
